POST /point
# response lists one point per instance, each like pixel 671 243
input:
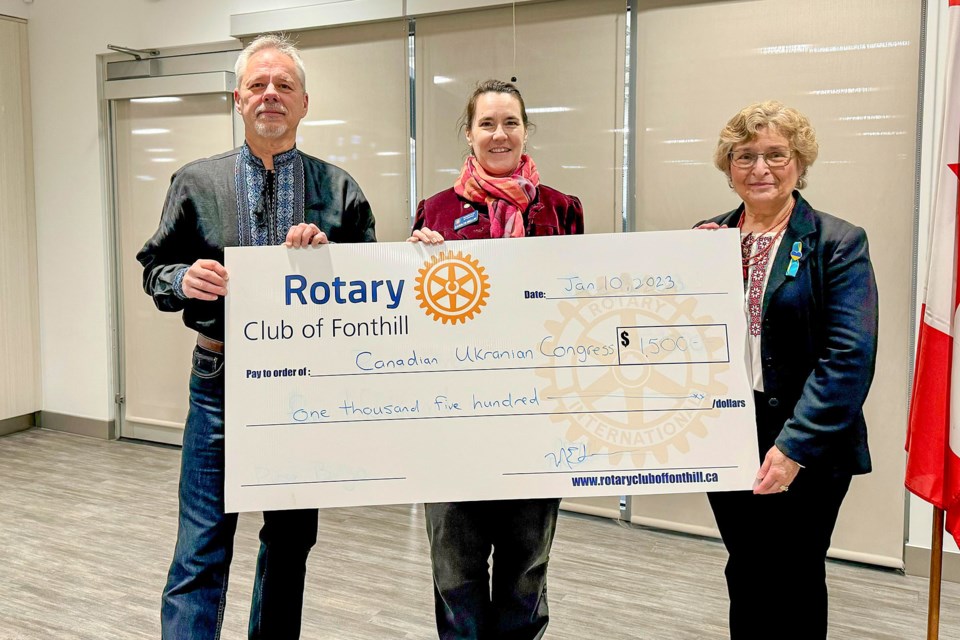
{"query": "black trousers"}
pixel 776 574
pixel 462 536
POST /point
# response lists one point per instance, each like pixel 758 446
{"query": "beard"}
pixel 270 129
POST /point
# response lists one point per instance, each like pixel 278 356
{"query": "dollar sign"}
pixel 624 339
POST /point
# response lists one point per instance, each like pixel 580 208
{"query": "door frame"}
pixel 181 71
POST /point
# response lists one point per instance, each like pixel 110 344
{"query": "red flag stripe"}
pixel 933 467
pixel 930 406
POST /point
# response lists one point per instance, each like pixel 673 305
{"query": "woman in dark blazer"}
pixel 811 306
pixel 497 195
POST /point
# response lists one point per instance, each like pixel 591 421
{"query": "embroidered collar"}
pixel 268 202
pixel 279 160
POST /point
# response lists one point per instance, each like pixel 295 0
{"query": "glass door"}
pixel 153 137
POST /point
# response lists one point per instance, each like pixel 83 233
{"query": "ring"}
pixel 783 488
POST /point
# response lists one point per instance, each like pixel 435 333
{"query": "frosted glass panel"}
pixel 852 68
pixel 154 139
pixel 357 118
pixel 569 68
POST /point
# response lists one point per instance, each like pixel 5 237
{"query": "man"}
pixel 264 193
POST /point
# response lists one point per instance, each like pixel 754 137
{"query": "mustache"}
pixel 273 109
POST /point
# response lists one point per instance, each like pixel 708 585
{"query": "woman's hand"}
pixel 710 225
pixel 776 473
pixel 426 236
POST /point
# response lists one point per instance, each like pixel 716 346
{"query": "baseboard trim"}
pixel 678 527
pixel 916 562
pixel 17 423
pixel 590 510
pixel 90 427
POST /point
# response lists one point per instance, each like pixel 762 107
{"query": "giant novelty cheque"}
pixel 608 364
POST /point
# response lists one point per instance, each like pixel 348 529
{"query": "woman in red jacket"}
pixel 497 195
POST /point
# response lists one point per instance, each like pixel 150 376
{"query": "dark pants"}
pixel 462 534
pixel 196 591
pixel 776 573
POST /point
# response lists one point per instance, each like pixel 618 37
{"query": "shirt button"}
pixel 773 402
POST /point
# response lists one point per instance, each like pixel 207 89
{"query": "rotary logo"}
pixel 599 403
pixel 452 287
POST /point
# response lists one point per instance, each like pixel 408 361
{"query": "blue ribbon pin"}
pixel 795 254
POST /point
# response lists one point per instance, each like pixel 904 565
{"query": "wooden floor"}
pixel 88 528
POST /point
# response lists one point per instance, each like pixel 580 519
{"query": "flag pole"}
pixel 936 573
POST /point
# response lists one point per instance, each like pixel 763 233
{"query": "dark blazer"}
pixel 818 343
pixel 552 213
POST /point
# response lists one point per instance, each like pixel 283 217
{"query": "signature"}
pixel 569 456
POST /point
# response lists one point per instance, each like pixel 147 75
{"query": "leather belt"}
pixel 209 344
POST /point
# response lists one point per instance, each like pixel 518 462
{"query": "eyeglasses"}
pixel 746 159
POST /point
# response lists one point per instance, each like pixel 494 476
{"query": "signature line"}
pixel 624 395
pixel 278 484
pixel 639 295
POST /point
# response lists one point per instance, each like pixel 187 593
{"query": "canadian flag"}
pixel 933 432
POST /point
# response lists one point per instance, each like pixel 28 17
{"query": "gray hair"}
pixel 787 121
pixel 277 41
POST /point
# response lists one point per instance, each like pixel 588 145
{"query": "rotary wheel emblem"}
pixel 452 287
pixel 683 387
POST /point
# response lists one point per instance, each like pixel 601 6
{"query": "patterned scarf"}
pixel 506 198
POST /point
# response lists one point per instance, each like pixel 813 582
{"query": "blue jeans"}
pixel 462 535
pixel 196 591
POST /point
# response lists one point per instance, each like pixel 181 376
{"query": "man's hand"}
pixel 305 235
pixel 205 280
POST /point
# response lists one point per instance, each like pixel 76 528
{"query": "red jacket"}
pixel 552 213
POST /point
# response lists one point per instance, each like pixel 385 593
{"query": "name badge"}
pixel 466 219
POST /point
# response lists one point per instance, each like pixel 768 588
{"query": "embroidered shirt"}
pixel 756 286
pixel 268 202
